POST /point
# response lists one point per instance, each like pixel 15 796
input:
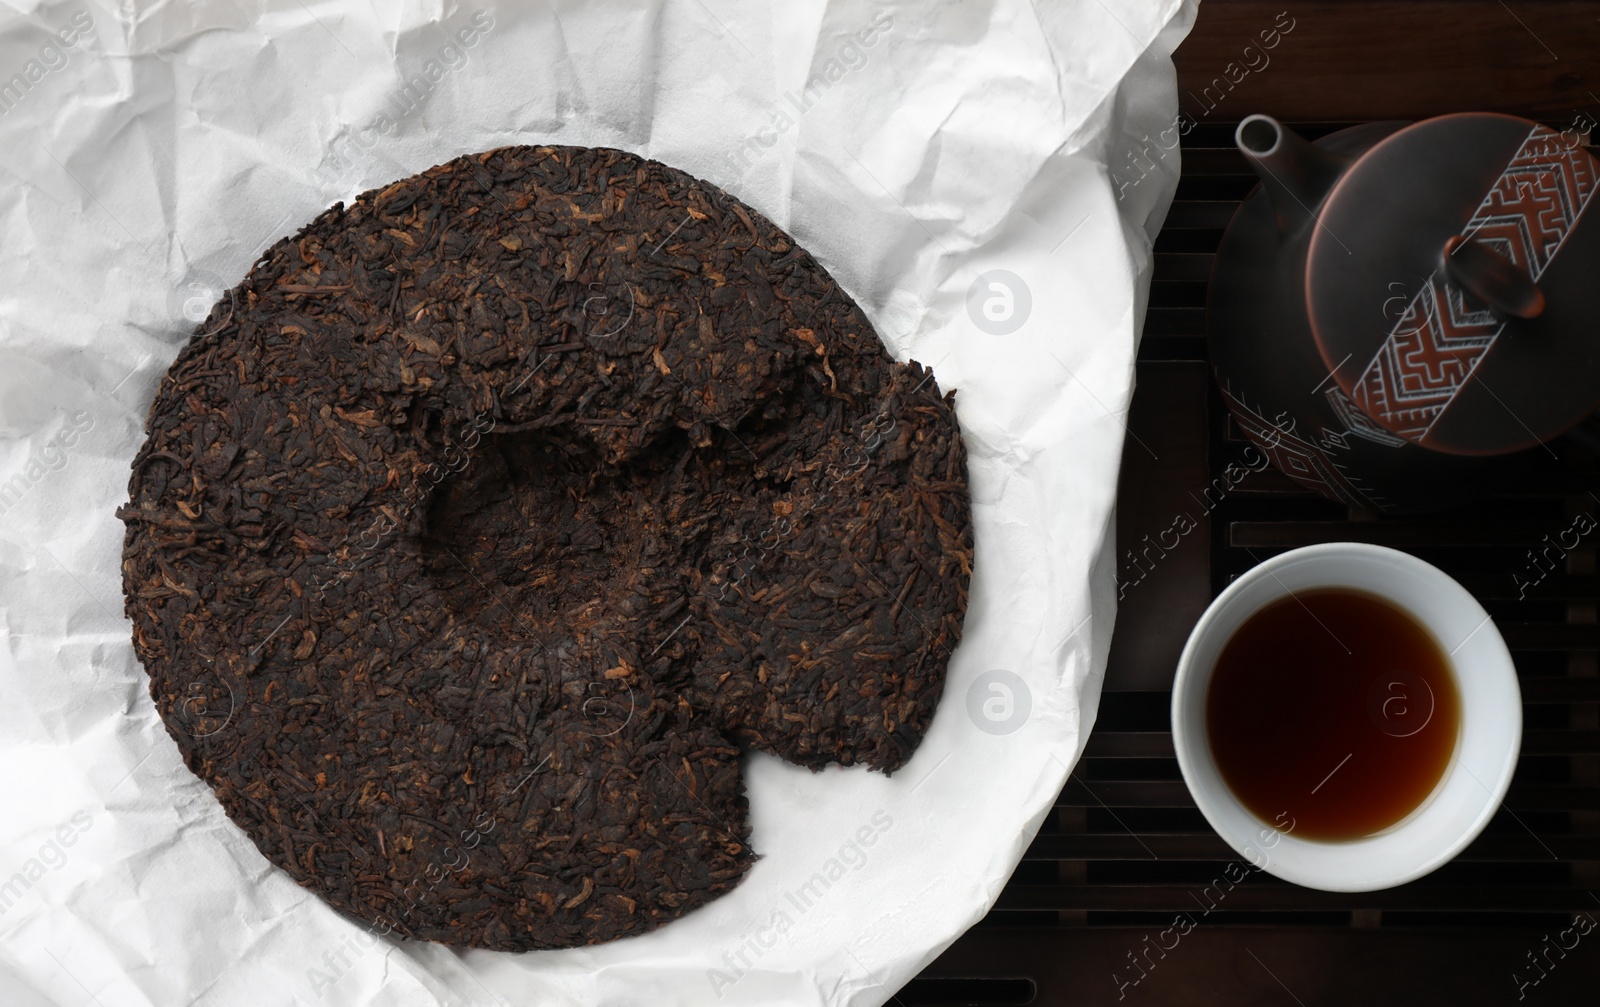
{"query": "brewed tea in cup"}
pixel 1346 716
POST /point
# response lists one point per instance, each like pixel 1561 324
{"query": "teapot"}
pixel 1401 314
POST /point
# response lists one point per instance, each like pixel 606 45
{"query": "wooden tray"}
pixel 1089 916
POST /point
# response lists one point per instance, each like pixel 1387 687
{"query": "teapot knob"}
pixel 1491 278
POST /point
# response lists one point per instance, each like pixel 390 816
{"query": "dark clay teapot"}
pixel 1400 312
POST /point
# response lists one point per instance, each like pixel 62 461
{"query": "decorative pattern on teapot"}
pixel 1439 340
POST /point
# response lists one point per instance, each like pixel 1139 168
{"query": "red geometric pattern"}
pixel 1304 461
pixel 1357 422
pixel 1437 343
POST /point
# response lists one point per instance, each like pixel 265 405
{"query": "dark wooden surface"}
pixel 1167 583
pixel 1126 850
pixel 1352 61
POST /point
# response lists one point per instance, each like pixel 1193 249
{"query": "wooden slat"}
pixel 1559 742
pixel 1199 214
pixel 1394 532
pixel 1271 483
pixel 1224 160
pixel 1399 60
pixel 1553 797
pixel 1551 636
pixel 1277 897
pixel 1175 321
pixel 1256 966
pixel 1111 745
pixel 1501 587
pixel 1209 847
pixel 1168 349
pixel 1125 794
pixel 1572 484
pixel 1560 690
pixel 1182 267
pixel 1126 846
pixel 1129 745
pixel 1211 188
pixel 1175 794
pixel 1578 485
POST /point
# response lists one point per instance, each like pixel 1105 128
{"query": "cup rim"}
pixel 1221 808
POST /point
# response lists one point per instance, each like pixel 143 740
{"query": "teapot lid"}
pixel 1451 290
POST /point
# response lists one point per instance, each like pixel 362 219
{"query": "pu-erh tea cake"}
pixel 490 519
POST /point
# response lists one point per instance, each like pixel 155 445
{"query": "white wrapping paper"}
pixel 984 178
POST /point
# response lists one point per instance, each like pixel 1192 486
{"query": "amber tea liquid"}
pixel 1334 708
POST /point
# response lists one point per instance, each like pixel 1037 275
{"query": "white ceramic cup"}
pixel 1476 779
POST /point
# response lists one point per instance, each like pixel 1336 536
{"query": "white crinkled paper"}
pixel 950 164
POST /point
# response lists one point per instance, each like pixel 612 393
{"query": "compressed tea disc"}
pixel 482 527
